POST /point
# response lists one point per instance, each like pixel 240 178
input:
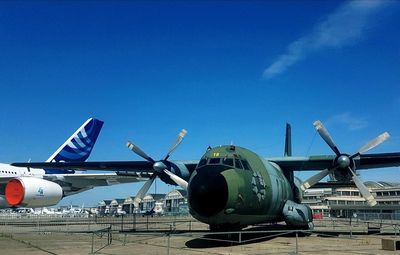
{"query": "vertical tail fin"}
pixel 288 141
pixel 288 153
pixel 79 146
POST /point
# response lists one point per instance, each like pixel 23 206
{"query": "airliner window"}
pixel 238 164
pixel 214 161
pixel 202 162
pixel 227 161
pixel 246 164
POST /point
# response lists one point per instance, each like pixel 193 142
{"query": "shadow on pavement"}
pixel 249 235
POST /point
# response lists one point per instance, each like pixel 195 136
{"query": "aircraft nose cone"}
pixel 208 192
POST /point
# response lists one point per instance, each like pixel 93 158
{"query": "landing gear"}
pixel 310 225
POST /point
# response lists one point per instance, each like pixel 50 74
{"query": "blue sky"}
pixel 227 71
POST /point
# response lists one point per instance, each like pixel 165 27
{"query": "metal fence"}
pixel 176 235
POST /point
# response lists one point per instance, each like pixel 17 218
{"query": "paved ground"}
pixel 42 238
pixel 156 244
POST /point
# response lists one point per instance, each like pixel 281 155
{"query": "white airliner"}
pixel 25 187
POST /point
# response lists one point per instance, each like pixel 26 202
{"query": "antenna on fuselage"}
pixel 288 141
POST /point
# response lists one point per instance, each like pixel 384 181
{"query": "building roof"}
pixel 158 197
pixel 105 202
pixel 119 200
pixel 176 192
pixel 381 184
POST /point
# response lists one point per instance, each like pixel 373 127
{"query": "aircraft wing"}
pixel 79 182
pixel 96 179
pixel 311 163
pixel 365 161
pixel 94 165
pixel 121 167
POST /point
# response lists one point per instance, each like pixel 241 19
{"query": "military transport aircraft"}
pixel 231 187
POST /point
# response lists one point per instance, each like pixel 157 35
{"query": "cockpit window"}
pixel 214 161
pixel 202 162
pixel 246 164
pixel 238 164
pixel 227 161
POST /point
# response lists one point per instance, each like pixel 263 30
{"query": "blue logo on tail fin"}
pixel 78 147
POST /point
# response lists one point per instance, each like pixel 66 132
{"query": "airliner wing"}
pixel 99 165
pixel 120 167
pixel 78 182
pixel 98 179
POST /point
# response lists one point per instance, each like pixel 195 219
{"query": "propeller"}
pixel 159 167
pixel 178 180
pixel 323 132
pixel 344 161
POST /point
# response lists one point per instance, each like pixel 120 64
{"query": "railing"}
pixel 97 233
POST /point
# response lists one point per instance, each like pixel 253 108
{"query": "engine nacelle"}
pixel 177 168
pixel 297 215
pixel 341 175
pixel 32 192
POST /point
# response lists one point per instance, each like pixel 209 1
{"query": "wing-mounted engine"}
pixel 343 168
pixel 176 168
pixel 297 215
pixel 343 175
pixel 167 171
pixel 32 192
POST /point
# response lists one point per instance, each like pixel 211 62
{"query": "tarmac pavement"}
pixel 188 237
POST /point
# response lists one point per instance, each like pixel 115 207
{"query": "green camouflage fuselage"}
pixel 233 186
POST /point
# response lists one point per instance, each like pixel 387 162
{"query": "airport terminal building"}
pixel 347 202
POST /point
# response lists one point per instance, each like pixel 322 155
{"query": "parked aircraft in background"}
pixel 231 187
pixel 74 210
pixel 29 187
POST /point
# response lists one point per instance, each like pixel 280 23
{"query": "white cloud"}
pixel 348 120
pixel 345 26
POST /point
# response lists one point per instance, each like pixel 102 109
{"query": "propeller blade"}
pixel 139 152
pixel 373 143
pixel 323 132
pixel 314 179
pixel 143 190
pixel 178 180
pixel 364 191
pixel 179 139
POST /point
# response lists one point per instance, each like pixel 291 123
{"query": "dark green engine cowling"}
pixel 233 187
